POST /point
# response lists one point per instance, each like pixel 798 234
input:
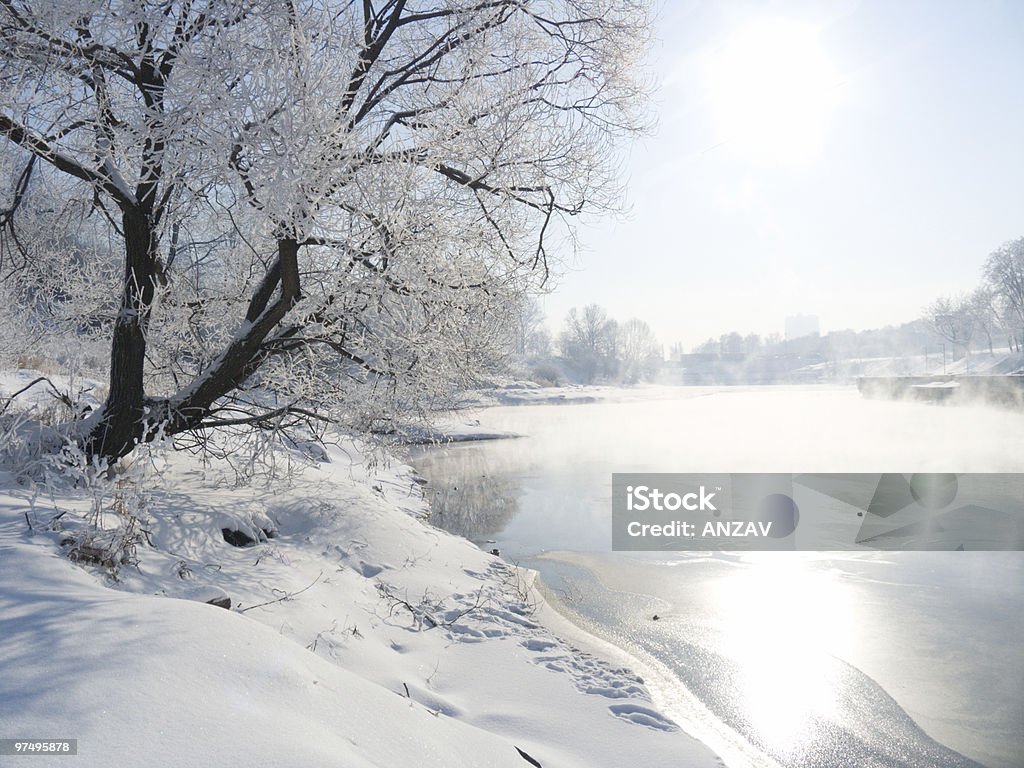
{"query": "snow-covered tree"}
pixel 954 319
pixel 1004 276
pixel 531 339
pixel 322 209
pixel 984 305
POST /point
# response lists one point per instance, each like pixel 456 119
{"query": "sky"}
pixel 851 160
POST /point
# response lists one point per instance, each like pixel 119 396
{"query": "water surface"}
pixel 832 659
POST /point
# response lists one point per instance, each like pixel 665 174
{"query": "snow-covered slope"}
pixel 142 680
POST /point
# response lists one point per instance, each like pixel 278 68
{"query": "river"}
pixel 805 659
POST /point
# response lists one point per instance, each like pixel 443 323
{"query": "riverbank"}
pixel 357 634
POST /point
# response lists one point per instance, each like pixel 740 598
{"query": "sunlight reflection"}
pixel 784 620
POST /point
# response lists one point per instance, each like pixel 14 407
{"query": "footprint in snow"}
pixel 538 645
pixel 368 570
pixel 642 716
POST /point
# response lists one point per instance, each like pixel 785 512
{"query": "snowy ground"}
pixel 999 362
pixel 358 635
pixel 529 393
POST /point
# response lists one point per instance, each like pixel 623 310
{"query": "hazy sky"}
pixel 852 160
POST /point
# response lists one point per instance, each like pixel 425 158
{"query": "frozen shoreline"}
pixel 898 690
pixel 666 692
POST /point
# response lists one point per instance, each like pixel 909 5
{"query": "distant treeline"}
pixel 837 356
pixel 592 347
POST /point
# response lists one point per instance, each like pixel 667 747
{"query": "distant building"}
pixel 798 326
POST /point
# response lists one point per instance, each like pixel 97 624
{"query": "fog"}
pixel 765 429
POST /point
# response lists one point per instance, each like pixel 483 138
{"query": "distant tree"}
pixel 380 180
pixel 751 344
pixel 532 340
pixel 953 319
pixel 640 355
pixel 984 307
pixel 676 351
pixel 538 345
pixel 731 343
pixel 708 347
pixel 589 342
pixel 1004 275
pixel 1008 321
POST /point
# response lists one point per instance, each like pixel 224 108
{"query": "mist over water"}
pixel 817 659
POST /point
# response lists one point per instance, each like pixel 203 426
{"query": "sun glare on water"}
pixel 772 91
pixel 784 625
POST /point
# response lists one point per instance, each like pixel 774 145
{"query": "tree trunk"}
pixel 128 417
pixel 119 427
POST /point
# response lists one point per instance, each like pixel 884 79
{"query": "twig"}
pixel 10 399
pixel 528 758
pixel 475 606
pixel 64 398
pixel 285 597
pixel 419 613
